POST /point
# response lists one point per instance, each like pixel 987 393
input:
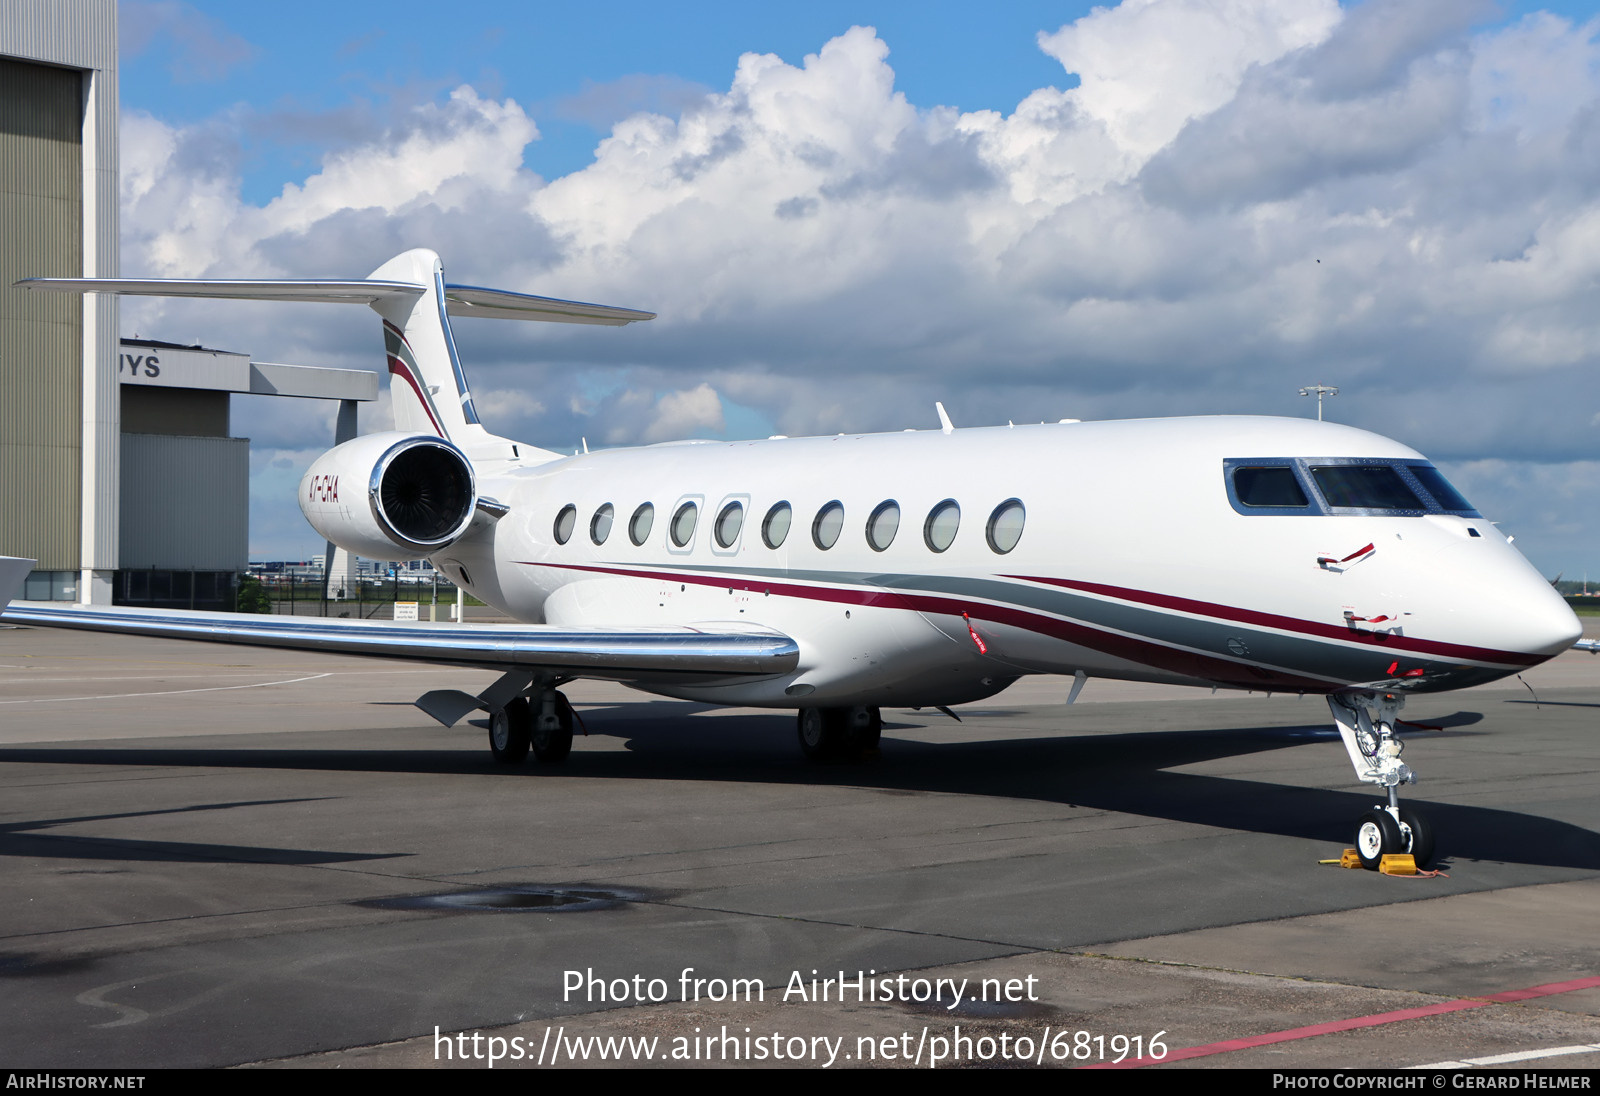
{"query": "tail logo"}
pixel 403 364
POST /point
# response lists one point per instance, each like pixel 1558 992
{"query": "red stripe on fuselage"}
pixel 1142 651
pixel 1389 642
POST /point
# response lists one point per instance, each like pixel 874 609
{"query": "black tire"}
pixel 821 733
pixel 508 733
pixel 1421 836
pixel 1376 834
pixel 863 727
pixel 552 744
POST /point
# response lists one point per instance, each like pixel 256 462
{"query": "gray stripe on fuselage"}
pixel 1308 656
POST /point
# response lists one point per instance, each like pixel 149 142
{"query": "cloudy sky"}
pixel 846 213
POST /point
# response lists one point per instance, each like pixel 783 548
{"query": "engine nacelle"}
pixel 390 496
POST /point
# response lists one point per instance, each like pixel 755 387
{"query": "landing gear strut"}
pixel 829 733
pixel 542 723
pixel 1366 724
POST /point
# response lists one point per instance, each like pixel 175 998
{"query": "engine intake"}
pixel 420 495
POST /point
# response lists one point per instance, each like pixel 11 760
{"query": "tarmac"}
pixel 218 856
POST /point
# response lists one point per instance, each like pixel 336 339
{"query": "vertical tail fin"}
pixel 429 390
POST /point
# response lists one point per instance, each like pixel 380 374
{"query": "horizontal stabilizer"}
pixel 310 290
pixel 498 304
pixel 637 654
pixel 460 300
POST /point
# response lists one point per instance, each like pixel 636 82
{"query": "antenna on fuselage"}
pixel 944 420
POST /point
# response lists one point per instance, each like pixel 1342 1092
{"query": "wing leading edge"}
pixel 644 654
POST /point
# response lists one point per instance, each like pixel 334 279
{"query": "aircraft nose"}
pixel 1553 626
pixel 1504 602
pixel 1536 620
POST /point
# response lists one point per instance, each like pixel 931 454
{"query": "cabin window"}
pixel 682 528
pixel 600 524
pixel 728 524
pixel 939 531
pixel 1274 485
pixel 883 525
pixel 775 526
pixel 1005 525
pixel 825 529
pixel 1435 484
pixel 1365 487
pixel 639 525
pixel 565 521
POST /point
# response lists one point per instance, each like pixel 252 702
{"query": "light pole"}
pixel 1319 391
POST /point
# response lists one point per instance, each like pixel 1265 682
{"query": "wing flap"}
pixel 643 654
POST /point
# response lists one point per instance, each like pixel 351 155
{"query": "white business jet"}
pixel 839 575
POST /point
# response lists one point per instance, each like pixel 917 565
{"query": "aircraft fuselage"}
pixel 1134 557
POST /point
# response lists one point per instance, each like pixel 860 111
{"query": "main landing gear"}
pixel 542 724
pixel 828 734
pixel 1366 723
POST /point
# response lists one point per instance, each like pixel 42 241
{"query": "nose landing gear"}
pixel 1366 724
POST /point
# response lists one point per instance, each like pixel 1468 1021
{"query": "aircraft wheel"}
pixel 863 728
pixel 1376 834
pixel 821 733
pixel 508 733
pixel 552 740
pixel 1421 836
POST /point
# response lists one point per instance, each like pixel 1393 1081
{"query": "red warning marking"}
pixel 1376 1020
pixel 1346 559
pixel 976 638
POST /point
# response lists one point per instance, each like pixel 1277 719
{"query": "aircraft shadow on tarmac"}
pixel 669 740
pixel 23 839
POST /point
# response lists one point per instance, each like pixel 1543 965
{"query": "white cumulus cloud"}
pixel 1239 198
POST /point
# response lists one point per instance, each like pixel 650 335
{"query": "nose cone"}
pixel 1504 602
pixel 1552 626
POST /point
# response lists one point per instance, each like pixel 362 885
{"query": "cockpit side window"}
pixel 1365 487
pixel 1270 486
pixel 1434 483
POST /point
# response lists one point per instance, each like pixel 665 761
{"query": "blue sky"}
pixel 576 73
pixel 1240 197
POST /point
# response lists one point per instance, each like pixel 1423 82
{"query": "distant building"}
pixel 118 474
pixel 59 409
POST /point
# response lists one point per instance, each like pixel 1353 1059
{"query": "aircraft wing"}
pixel 636 654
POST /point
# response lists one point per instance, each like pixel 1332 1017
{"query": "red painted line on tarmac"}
pixel 1375 1020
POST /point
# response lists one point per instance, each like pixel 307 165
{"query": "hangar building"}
pixel 118 474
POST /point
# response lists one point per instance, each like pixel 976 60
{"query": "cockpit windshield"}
pixel 1340 485
pixel 1365 487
